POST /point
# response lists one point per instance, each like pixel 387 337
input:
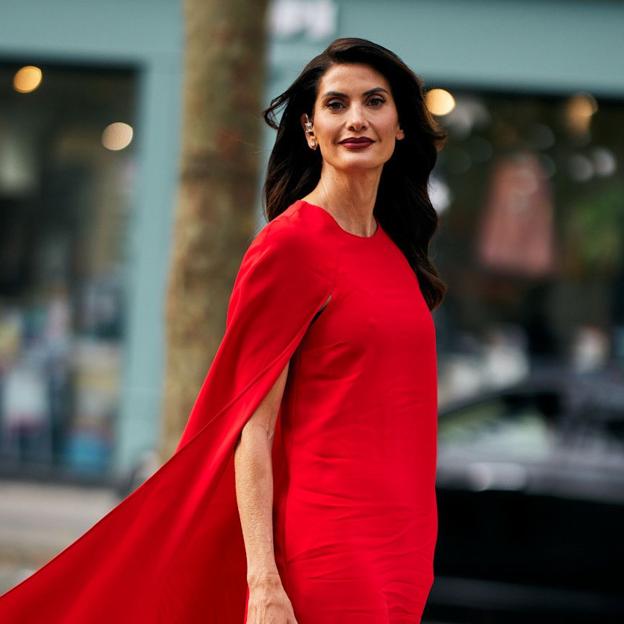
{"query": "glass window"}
pixel 529 190
pixel 67 165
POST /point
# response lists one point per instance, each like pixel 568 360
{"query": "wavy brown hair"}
pixel 402 205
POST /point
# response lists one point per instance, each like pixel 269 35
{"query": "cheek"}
pixel 387 134
pixel 390 126
pixel 328 134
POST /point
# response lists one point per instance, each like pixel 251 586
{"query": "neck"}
pixel 349 195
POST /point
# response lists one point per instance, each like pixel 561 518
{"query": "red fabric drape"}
pixel 172 551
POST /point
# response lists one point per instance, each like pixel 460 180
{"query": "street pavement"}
pixel 38 520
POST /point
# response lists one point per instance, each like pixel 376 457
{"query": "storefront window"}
pixel 530 194
pixel 67 164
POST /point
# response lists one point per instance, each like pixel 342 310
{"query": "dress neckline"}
pixel 374 235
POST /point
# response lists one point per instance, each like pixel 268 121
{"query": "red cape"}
pixel 172 551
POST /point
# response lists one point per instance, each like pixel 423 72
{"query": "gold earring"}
pixel 310 132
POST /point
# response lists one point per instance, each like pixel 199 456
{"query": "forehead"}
pixel 352 79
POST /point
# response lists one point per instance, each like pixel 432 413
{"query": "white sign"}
pixel 316 19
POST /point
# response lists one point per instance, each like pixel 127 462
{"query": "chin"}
pixel 357 161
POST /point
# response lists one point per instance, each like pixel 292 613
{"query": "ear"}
pixel 304 117
pixel 400 135
pixel 309 137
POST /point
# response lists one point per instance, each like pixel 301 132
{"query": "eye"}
pixel 334 104
pixel 376 101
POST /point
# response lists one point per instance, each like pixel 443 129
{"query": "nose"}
pixel 357 118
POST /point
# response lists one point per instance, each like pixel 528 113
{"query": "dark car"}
pixel 531 503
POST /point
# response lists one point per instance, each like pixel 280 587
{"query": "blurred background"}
pixel 530 194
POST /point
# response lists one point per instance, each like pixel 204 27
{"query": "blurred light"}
pixel 27 79
pixel 578 112
pixel 549 168
pixel 117 136
pixel 19 155
pixel 468 112
pixel 605 162
pixel 541 136
pixel 440 194
pixel 590 348
pixel 580 167
pixel 439 101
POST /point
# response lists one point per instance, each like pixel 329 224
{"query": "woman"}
pixel 354 499
pixel 302 489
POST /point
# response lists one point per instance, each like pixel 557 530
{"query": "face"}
pixel 354 101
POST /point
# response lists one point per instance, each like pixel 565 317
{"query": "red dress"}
pixel 354 458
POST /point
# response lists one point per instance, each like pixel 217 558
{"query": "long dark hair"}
pixel 402 205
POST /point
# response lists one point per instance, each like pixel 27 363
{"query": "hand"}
pixel 268 602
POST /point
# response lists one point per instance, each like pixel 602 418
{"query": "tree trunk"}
pixel 215 215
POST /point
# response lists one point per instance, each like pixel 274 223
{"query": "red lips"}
pixel 357 140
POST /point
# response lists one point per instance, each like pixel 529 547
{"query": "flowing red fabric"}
pixel 354 454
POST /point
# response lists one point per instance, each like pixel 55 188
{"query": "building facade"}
pixel 88 173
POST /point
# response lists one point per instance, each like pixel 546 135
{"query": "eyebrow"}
pixel 369 92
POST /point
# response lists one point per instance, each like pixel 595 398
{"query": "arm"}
pixel 254 483
pixel 254 493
